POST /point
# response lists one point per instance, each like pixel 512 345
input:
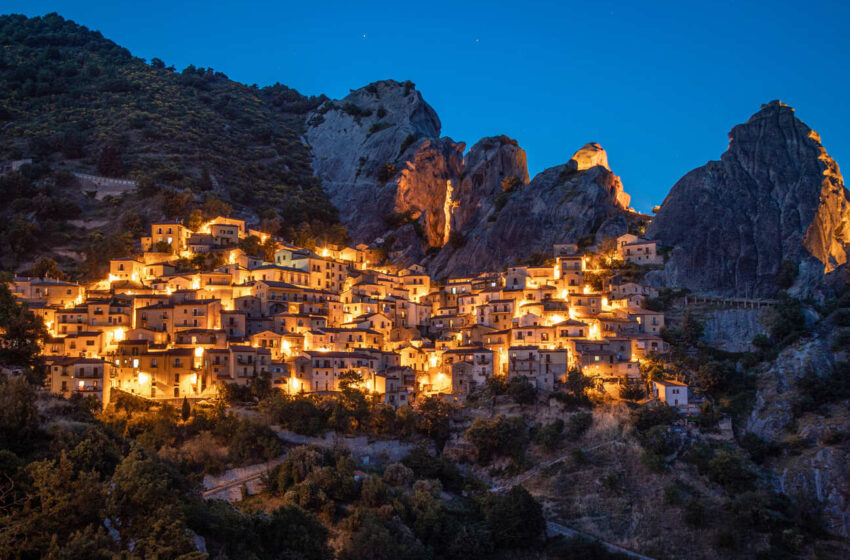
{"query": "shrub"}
pixel 510 182
pixel 731 470
pixel 694 513
pixel 515 519
pixel 521 390
pixel 578 423
pixel 406 144
pixel 550 435
pixel 498 437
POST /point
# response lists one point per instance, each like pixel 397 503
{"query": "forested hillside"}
pixel 75 102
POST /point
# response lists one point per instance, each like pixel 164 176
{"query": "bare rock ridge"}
pixel 395 181
pixel 563 204
pixel 774 196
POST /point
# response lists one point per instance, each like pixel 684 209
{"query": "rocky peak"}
pixel 790 204
pixel 559 205
pixel 590 155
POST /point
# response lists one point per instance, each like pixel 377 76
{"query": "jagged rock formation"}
pixel 382 162
pixel 491 166
pixel 560 205
pixel 775 195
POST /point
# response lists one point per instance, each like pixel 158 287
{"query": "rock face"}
pixel 492 165
pixel 384 165
pixel 381 160
pixel 732 330
pixel 818 470
pixel 774 195
pixel 560 205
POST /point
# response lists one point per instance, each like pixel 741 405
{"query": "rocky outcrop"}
pixel 491 166
pixel 818 469
pixel 397 184
pixel 732 330
pixel 560 205
pixel 775 195
pixel 381 160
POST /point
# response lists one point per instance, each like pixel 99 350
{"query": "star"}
pixel 364 35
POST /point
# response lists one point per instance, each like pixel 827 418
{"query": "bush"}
pixel 694 513
pixel 252 442
pixel 731 470
pixel 510 182
pixel 500 436
pixel 578 423
pixel 550 435
pixel 515 519
pixel 521 390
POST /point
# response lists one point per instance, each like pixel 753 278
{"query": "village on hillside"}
pixel 305 317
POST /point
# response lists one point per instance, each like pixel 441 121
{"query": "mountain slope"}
pixel 67 95
pixel 775 196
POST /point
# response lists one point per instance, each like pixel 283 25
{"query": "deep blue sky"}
pixel 658 84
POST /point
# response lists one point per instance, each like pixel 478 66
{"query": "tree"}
pixel 349 380
pixel 515 519
pixel 214 207
pixel 499 436
pixel 110 163
pixel 435 419
pixel 46 268
pixel 205 181
pixel 185 410
pixel 18 414
pixel 23 334
pixel 196 219
pixel 521 390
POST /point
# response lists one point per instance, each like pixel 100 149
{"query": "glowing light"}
pixel 118 335
pixel 324 252
pixel 605 302
pixel 232 258
pixel 193 378
pixel 113 278
pixel 555 319
pixel 134 277
pixel 82 385
pixel 199 352
pixel 564 294
pixel 587 288
pixel 196 283
pixel 144 378
pixel 135 362
pixel 168 290
pixel 433 360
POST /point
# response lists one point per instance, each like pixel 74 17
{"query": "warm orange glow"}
pixel 144 378
pixel 118 335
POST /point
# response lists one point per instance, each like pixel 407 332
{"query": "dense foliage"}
pixel 72 100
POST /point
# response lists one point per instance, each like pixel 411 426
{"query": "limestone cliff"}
pixel 560 205
pixel 381 160
pixel 398 184
pixel 775 195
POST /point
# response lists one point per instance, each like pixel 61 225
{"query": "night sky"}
pixel 658 84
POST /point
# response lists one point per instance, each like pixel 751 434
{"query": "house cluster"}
pixel 304 317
